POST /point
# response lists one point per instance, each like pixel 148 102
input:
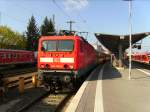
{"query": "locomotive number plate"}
pixel 56 59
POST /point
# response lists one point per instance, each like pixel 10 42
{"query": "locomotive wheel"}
pixel 50 88
pixel 47 87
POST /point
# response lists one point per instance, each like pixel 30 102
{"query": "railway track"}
pixel 38 100
pixel 45 103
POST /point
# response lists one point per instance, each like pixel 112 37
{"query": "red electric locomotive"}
pixel 62 60
pixel 14 57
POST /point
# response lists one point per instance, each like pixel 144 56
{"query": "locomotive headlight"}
pixel 47 66
pixel 42 66
pixel 66 66
pixel 71 66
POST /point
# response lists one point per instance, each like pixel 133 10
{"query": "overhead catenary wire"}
pixel 78 15
pixel 65 13
pixel 61 9
pixel 14 18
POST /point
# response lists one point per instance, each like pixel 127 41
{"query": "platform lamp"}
pixel 130 37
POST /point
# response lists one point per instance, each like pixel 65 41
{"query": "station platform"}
pixel 108 89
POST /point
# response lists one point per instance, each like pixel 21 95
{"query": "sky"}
pixel 93 16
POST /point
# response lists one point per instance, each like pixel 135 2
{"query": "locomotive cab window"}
pixel 49 45
pixel 65 45
pixel 57 45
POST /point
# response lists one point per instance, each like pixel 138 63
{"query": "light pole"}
pixel 130 37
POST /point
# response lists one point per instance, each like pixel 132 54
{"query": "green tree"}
pixel 47 28
pixel 10 39
pixel 32 35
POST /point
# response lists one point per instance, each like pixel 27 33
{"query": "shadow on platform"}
pixel 141 77
pixel 110 72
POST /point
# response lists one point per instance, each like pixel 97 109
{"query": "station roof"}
pixel 112 42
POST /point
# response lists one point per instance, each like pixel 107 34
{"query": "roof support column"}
pixel 120 55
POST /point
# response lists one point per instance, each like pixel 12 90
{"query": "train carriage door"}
pixel 3 57
pixel 27 57
pixel 6 58
pixel 15 57
pixel 18 58
pixel 21 57
pixel 9 57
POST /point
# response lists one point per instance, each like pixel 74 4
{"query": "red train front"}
pixel 62 60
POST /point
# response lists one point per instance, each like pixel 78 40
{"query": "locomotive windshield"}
pixel 65 45
pixel 49 45
pixel 58 45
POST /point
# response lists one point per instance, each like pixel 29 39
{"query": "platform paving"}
pixel 117 93
pixel 87 102
pixel 123 95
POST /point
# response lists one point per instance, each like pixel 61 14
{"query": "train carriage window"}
pixel 58 45
pixel 3 56
pixel 9 56
pixel 15 55
pixel 65 45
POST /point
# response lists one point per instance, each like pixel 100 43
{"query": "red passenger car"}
pixel 64 59
pixel 141 57
pixel 9 57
